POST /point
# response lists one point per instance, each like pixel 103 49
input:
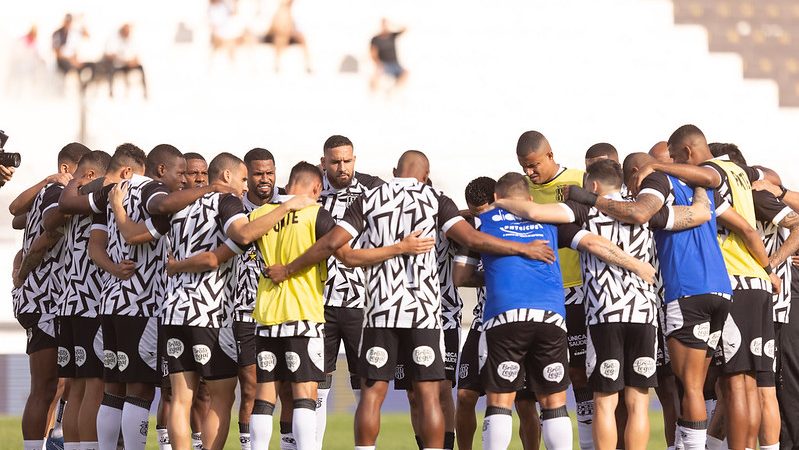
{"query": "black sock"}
pixel 449 440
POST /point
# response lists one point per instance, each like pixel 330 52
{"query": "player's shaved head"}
pixel 634 162
pixel 686 134
pixel 531 142
pixel 660 152
pixel 688 145
pixel 413 164
pixel 600 151
pixel 71 154
pixel 161 155
pixel 512 185
pixel 97 160
pixel 222 162
pixel 304 173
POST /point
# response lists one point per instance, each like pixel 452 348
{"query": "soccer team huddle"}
pixel 670 271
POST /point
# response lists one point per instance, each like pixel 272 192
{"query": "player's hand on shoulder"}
pixel 776 283
pixel 765 185
pixel 277 273
pixel 539 250
pixel 579 195
pixel 117 194
pixel 60 178
pixel 647 272
pixel 638 177
pixel 299 202
pixel 170 265
pixel 125 269
pixel 412 244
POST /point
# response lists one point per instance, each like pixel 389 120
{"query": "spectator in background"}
pixel 384 54
pixel 227 33
pixel 283 32
pixel 26 67
pixel 66 43
pixel 121 56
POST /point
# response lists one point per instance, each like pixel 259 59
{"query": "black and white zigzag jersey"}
pixel 464 257
pixel 83 280
pixel 401 292
pixel 142 294
pixel 344 286
pixel 770 211
pixel 298 328
pixel 43 285
pixel 526 315
pixel 247 268
pixel 204 299
pixel 451 301
pixel 614 294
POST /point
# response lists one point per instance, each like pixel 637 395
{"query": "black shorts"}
pixel 80 347
pixel 697 321
pixel 291 359
pixel 576 333
pixel 130 349
pixel 211 352
pixel 40 329
pixel 535 351
pixel 749 327
pixel 245 342
pixel 342 325
pixel 473 356
pixel 621 354
pixel 66 347
pixel 663 360
pixel 420 353
pixel 452 343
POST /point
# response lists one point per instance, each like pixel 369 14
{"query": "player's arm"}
pixel 685 217
pixel 465 272
pixel 202 262
pixel 530 210
pixel 769 209
pixel 704 176
pixel 637 212
pixel 791 244
pixel 22 204
pixel 36 252
pixel 246 232
pixel 133 232
pixel 19 222
pixel 98 242
pixel 611 254
pixel 789 197
pixel 73 202
pixel 464 234
pixel 17 282
pixel 733 221
pixel 319 251
pixel 172 202
pixel 409 245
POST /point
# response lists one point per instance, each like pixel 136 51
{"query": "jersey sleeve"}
pixel 150 191
pixel 569 235
pixel 98 200
pixel 769 208
pixel 370 181
pixel 663 219
pixel 230 210
pixel 752 173
pixel 158 225
pixel 464 254
pixel 721 205
pixel 719 170
pixel 354 220
pixel 578 211
pixel 100 221
pixel 657 184
pixel 50 197
pixel 448 213
pixel 324 223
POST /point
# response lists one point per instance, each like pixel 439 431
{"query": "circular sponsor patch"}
pixel 702 331
pixel 63 356
pixel 174 347
pixel 202 354
pixel 122 361
pixel 292 361
pixel 644 366
pixel 377 356
pixel 508 370
pixel 713 339
pixel 768 348
pixel 610 369
pixel 80 356
pixel 756 346
pixel 554 372
pixel 424 356
pixel 267 361
pixel 109 359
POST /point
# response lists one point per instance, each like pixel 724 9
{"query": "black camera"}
pixel 8 159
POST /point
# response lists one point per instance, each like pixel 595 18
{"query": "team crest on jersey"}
pixel 399 372
pixel 644 366
pixel 267 361
pixel 377 356
pixel 202 354
pixel 80 356
pixel 174 347
pixel 756 346
pixel 252 255
pixel 702 331
pixel 122 361
pixel 63 356
pixel 292 361
pixel 559 193
pixel 463 371
pixel 424 356
pixel 554 372
pixel 109 359
pixel 610 369
pixel 316 351
pixel 508 370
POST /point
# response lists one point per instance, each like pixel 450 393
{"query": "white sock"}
pixel 197 441
pixel 725 445
pixel 163 439
pixel 364 447
pixel 303 423
pixel 135 421
pixel 770 447
pixel 556 429
pixel 670 448
pixel 497 428
pixel 109 420
pixel 321 415
pixel 58 431
pixel 244 436
pixel 585 417
pixel 90 446
pixel 713 443
pixel 261 424
pixel 693 435
pixel 710 408
pixel 71 445
pixel 36 445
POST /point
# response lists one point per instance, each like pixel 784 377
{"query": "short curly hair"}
pixel 480 191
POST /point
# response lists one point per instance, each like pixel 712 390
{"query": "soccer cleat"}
pixel 54 443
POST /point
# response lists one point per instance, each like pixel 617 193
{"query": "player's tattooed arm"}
pixel 98 242
pixel 134 233
pixel 637 212
pixel 791 244
pixel 610 253
pixel 22 204
pixel 694 175
pixel 36 252
pixel 409 245
pixel 733 221
pixel 530 210
pixel 201 262
pixel 686 217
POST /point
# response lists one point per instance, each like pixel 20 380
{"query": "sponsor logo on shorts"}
pixel 377 356
pixel 768 348
pixel 463 371
pixel 266 361
pixel 644 366
pixel 122 361
pixel 702 331
pixel 610 369
pixel 424 356
pixel 756 346
pixel 554 372
pixel 80 356
pixel 202 354
pixel 63 356
pixel 292 361
pixel 451 357
pixel 109 359
pixel 399 372
pixel 577 340
pixel 713 339
pixel 174 347
pixel 508 370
